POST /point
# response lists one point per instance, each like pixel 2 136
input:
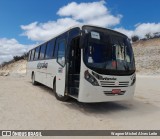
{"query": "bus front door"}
pixel 74 68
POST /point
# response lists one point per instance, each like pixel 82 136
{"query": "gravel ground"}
pixel 23 106
pixel 27 107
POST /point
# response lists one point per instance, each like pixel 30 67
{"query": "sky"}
pixel 25 23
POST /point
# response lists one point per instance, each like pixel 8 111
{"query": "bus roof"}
pixel 75 26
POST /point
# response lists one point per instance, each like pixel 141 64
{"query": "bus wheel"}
pixel 58 96
pixel 33 80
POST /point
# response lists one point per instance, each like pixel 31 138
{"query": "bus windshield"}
pixel 108 52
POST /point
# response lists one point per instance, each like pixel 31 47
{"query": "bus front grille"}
pixel 114 84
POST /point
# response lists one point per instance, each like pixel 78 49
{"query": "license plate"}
pixel 116 91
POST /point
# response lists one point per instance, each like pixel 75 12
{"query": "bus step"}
pixel 74 96
pixel 74 91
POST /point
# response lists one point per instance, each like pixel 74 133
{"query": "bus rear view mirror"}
pixel 63 60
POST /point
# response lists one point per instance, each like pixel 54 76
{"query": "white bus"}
pixel 88 63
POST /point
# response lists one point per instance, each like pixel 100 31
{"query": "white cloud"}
pixel 129 33
pixel 10 48
pixel 84 11
pixel 43 31
pixel 141 29
pixel 95 13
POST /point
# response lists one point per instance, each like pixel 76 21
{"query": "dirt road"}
pixel 23 106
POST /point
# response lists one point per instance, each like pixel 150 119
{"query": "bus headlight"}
pixel 97 76
pixel 90 78
pixel 133 81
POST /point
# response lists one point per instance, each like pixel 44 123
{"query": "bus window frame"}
pixel 32 53
pixel 29 56
pixel 38 53
pixel 44 51
pixel 58 42
pixel 54 45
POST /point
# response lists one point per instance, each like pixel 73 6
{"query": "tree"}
pixel 148 36
pixel 135 38
pixel 25 55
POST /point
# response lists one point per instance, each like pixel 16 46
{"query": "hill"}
pixel 14 68
pixel 147 56
pixel 147 43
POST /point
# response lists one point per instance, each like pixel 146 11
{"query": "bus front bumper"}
pixel 91 94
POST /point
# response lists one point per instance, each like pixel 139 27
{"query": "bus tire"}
pixel 33 79
pixel 59 97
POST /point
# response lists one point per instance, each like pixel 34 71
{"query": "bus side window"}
pixel 50 49
pixel 61 52
pixel 42 51
pixel 32 56
pixel 60 39
pixel 55 49
pixel 29 57
pixel 74 33
pixel 37 53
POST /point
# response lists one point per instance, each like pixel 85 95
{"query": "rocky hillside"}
pixel 147 56
pixel 18 67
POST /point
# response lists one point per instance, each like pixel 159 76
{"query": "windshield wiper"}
pixel 126 66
